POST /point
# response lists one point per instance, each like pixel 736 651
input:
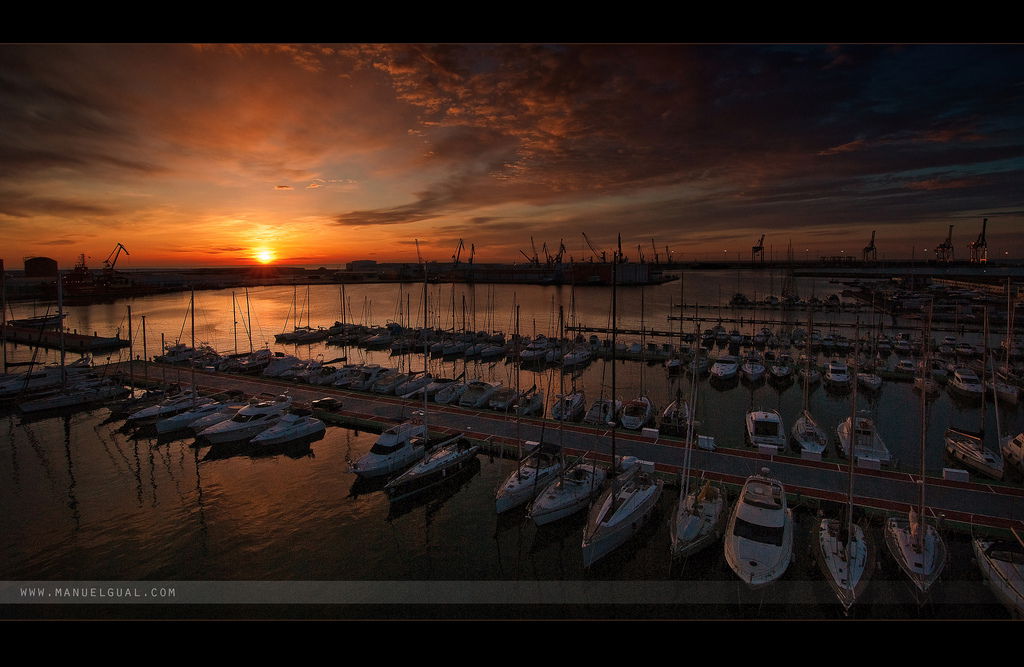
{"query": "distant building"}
pixel 361 265
pixel 40 267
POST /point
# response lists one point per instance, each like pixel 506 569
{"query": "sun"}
pixel 264 255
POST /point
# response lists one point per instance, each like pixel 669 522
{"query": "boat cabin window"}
pixel 242 418
pixel 384 449
pixel 756 533
pixel 766 428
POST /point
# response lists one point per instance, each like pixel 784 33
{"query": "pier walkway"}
pixel 976 503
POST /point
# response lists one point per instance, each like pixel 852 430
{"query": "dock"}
pixel 73 341
pixel 967 505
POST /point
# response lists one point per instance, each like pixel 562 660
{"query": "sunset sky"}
pixel 204 155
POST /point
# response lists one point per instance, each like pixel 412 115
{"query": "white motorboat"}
pixel 436 385
pixel 569 493
pixel 603 411
pixel 1002 564
pixel 837 374
pixel 280 364
pixel 867 442
pixel 504 398
pixel 808 436
pixel 620 511
pixel 638 413
pixel 965 382
pixel 41 380
pixel 869 381
pixel 765 427
pixel 452 393
pixel 224 413
pixel 77 394
pixel 537 469
pixel 968 448
pixel 569 407
pixel 368 375
pixel 395 448
pixel 759 537
pixel 446 457
pixel 478 394
pixel 387 382
pixel 183 420
pixel 347 377
pixel 186 400
pixel 412 386
pixel 1013 451
pixel 288 428
pixel 753 370
pixel 725 368
pixel 322 376
pixel 248 422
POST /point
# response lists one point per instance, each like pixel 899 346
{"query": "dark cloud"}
pixel 22 205
pixel 58 242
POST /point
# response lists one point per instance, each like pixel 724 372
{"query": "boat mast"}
pixel 924 427
pixel 234 322
pixel 248 317
pixel 60 319
pixel 145 354
pixel 194 351
pixel 615 314
pixel 849 510
pixel 131 353
pixel 3 312
pixel 981 429
pixel 426 352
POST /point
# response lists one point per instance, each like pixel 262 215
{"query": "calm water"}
pixel 85 501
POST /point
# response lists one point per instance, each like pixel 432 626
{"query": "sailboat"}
pixel 808 436
pixel 700 515
pixel 915 544
pixel 844 554
pixel 639 412
pixel 629 499
pixel 1002 563
pixel 968 447
pixel 446 455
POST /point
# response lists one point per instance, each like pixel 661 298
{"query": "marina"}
pixel 963 504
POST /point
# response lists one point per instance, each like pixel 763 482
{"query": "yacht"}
pixel 808 436
pixel 250 421
pixel 447 456
pixel 965 382
pixel 570 492
pixel 568 407
pixel 765 427
pixel 186 400
pixel 183 420
pixel 540 466
pixel 637 413
pixel 837 374
pixel 395 448
pixel 451 393
pixel 79 393
pixel 1002 563
pixel 288 428
pixel 478 394
pixel 620 511
pixel 968 448
pixel 753 369
pixel 868 443
pixel 725 368
pixel 603 411
pixel 759 537
pixel 869 381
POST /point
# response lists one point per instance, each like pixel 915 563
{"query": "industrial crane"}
pixel 944 251
pixel 757 251
pixel 534 259
pixel 870 252
pixel 458 253
pixel 108 264
pixel 979 248
pixel 596 253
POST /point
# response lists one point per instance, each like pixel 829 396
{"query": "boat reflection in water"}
pixel 295 449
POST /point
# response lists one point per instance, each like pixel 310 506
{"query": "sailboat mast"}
pixel 234 321
pixel 615 315
pixel 131 352
pixel 145 354
pixel 924 422
pixel 248 317
pixel 849 510
pixel 60 319
pixel 3 312
pixel 426 352
pixel 194 355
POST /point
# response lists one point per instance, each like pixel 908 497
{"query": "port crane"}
pixel 757 251
pixel 596 253
pixel 458 253
pixel 108 263
pixel 944 251
pixel 534 260
pixel 870 251
pixel 979 248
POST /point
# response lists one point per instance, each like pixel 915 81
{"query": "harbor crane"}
pixel 944 251
pixel 757 251
pixel 535 260
pixel 870 251
pixel 458 253
pixel 108 264
pixel 596 253
pixel 979 248
pixel 655 249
